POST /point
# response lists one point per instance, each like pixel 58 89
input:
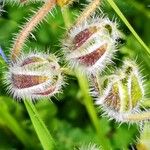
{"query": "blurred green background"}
pixel 66 116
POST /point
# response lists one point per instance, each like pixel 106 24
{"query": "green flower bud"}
pixel 124 92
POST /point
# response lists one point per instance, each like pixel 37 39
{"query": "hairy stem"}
pixel 138 117
pixel 33 22
pixel 87 12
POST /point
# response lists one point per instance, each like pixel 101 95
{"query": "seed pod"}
pixel 124 92
pixel 91 45
pixel 34 76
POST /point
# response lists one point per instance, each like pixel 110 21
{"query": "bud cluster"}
pixel 89 47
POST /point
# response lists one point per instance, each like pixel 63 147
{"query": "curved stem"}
pixel 33 22
pixel 138 117
pixel 87 12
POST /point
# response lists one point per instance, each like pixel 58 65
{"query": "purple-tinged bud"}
pixel 91 45
pixel 34 76
pixel 124 92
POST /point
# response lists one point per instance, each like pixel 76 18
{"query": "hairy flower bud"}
pixel 124 92
pixel 34 76
pixel 91 45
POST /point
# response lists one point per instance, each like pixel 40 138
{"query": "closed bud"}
pixel 124 92
pixel 91 45
pixel 34 76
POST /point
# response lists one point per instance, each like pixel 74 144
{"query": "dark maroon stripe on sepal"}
pixel 26 81
pixel 91 58
pixel 83 36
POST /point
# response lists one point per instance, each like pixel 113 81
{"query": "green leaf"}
pixel 123 18
pixel 40 128
pixel 11 123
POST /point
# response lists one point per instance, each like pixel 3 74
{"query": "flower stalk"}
pixel 26 30
pixel 142 116
pixel 87 12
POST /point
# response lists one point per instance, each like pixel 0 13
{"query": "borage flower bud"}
pixel 34 76
pixel 91 45
pixel 124 93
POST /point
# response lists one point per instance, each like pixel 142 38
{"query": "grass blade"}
pixel 40 128
pixel 123 18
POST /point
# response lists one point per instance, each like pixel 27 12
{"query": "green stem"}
pixel 15 127
pixel 83 83
pixel 40 128
pixel 142 116
pixel 123 18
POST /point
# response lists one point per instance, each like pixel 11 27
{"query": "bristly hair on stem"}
pixel 29 26
pixel 87 12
